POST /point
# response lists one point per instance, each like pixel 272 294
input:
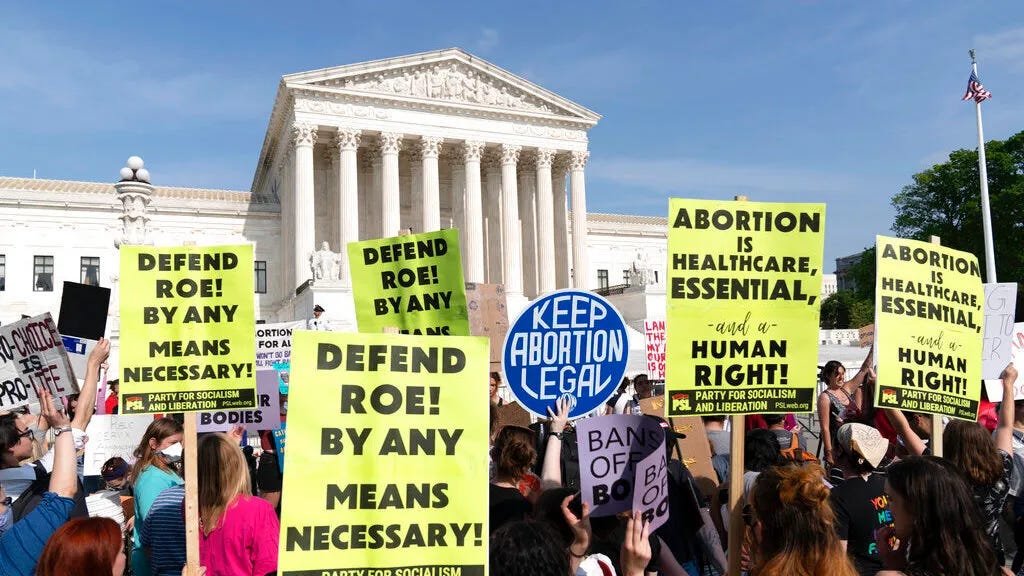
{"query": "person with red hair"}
pixel 84 547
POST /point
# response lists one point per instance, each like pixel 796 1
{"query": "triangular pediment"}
pixel 450 76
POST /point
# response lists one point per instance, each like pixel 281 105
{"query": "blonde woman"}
pixel 238 532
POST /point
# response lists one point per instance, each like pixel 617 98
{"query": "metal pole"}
pixel 986 213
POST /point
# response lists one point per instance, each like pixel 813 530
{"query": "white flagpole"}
pixel 986 215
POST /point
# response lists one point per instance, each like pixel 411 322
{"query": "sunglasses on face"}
pixel 27 433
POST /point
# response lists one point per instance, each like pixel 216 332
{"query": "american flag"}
pixel 975 91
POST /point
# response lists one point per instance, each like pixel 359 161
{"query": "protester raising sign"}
pixel 32 356
pixel 568 344
pixel 112 435
pixel 611 449
pixel 996 351
pixel 388 463
pixel 928 328
pixel 413 283
pixel 742 326
pixel 187 324
pixel 654 340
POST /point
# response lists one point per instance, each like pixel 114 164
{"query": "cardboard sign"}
pixel 413 283
pixel 187 324
pixel 650 490
pixel 392 449
pixel 488 315
pixel 568 344
pixel 866 335
pixel 112 435
pixel 32 356
pixel 83 311
pixel 265 416
pixel 512 415
pixel 610 448
pixel 994 388
pixel 1000 307
pixel 279 441
pixel 654 339
pixel 929 314
pixel 744 283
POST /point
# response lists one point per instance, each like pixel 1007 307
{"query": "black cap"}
pixel 318 308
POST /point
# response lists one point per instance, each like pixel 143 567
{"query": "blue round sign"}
pixel 570 344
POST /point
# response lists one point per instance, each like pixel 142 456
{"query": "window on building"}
pixel 42 274
pixel 261 276
pixel 90 270
pixel 602 279
pixel 3 272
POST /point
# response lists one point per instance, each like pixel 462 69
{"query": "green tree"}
pixel 835 310
pixel 863 275
pixel 945 201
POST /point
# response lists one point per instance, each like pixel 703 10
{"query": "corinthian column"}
pixel 304 136
pixel 430 148
pixel 492 169
pixel 391 202
pixel 347 142
pixel 474 216
pixel 545 223
pixel 512 253
pixel 581 272
pixel 558 170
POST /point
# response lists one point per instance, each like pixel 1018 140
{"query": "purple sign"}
pixel 611 449
pixel 650 492
pixel 266 415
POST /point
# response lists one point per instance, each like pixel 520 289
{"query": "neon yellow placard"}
pixel 187 325
pixel 744 284
pixel 413 283
pixel 929 328
pixel 387 448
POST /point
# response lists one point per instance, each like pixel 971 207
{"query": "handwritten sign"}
pixel 928 319
pixel 654 339
pixel 744 284
pixel 112 435
pixel 568 344
pixel 32 357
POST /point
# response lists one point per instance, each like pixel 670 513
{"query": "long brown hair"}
pixel 947 532
pixel 797 535
pixel 81 547
pixel 223 476
pixel 970 448
pixel 145 455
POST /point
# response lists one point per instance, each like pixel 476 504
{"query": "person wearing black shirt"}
pixel 860 504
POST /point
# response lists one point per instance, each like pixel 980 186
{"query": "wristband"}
pixel 556 435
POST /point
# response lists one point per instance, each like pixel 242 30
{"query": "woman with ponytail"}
pixel 793 525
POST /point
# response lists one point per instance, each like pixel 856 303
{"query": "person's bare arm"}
pixel 551 472
pixel 87 395
pixel 865 366
pixel 64 476
pixel 1004 433
pixel 913 442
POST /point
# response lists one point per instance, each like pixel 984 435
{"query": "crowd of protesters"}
pixel 877 501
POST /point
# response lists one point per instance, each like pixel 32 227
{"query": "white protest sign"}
pixel 1000 307
pixel 995 387
pixel 654 339
pixel 32 356
pixel 266 415
pixel 113 435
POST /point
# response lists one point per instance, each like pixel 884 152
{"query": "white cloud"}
pixel 1005 47
pixel 487 40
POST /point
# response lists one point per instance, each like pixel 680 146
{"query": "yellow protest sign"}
pixel 412 283
pixel 187 325
pixel 744 281
pixel 929 320
pixel 388 455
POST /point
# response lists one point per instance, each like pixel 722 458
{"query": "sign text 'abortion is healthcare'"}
pixel 570 344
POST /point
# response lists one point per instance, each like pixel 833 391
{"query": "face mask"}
pixel 6 519
pixel 173 452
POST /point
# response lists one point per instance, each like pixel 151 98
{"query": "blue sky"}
pixel 780 100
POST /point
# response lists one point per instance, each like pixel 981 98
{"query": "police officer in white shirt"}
pixel 317 322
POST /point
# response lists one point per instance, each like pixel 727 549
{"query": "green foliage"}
pixel 863 275
pixel 945 201
pixel 835 310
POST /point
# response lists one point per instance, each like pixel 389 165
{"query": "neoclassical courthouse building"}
pixel 422 142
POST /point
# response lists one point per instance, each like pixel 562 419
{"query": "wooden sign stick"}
pixel 191 442
pixel 936 441
pixel 736 464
